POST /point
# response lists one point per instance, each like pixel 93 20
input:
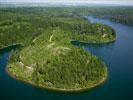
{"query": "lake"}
pixel 118 56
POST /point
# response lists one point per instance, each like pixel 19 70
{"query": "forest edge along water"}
pixel 59 57
pixel 112 89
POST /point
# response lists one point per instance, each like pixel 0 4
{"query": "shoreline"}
pixel 102 81
pixel 11 45
pixel 73 90
pixel 58 89
pixel 94 43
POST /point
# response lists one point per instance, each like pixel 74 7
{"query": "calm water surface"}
pixel 118 56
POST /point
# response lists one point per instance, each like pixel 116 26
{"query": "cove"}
pixel 118 56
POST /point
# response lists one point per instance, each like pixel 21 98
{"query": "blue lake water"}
pixel 118 56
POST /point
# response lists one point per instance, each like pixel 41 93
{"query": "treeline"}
pixel 48 58
pixel 118 14
pixel 57 63
pixel 22 25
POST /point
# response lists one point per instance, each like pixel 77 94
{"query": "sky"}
pixel 121 2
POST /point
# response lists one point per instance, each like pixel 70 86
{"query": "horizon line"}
pixel 72 4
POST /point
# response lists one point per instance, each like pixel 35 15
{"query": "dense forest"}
pixel 48 58
pixel 119 14
pixel 27 23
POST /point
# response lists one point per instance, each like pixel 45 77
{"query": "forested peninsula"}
pixel 47 58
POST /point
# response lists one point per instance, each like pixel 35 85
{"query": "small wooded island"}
pixel 48 59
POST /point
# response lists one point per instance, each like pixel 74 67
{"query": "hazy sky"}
pixel 125 2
